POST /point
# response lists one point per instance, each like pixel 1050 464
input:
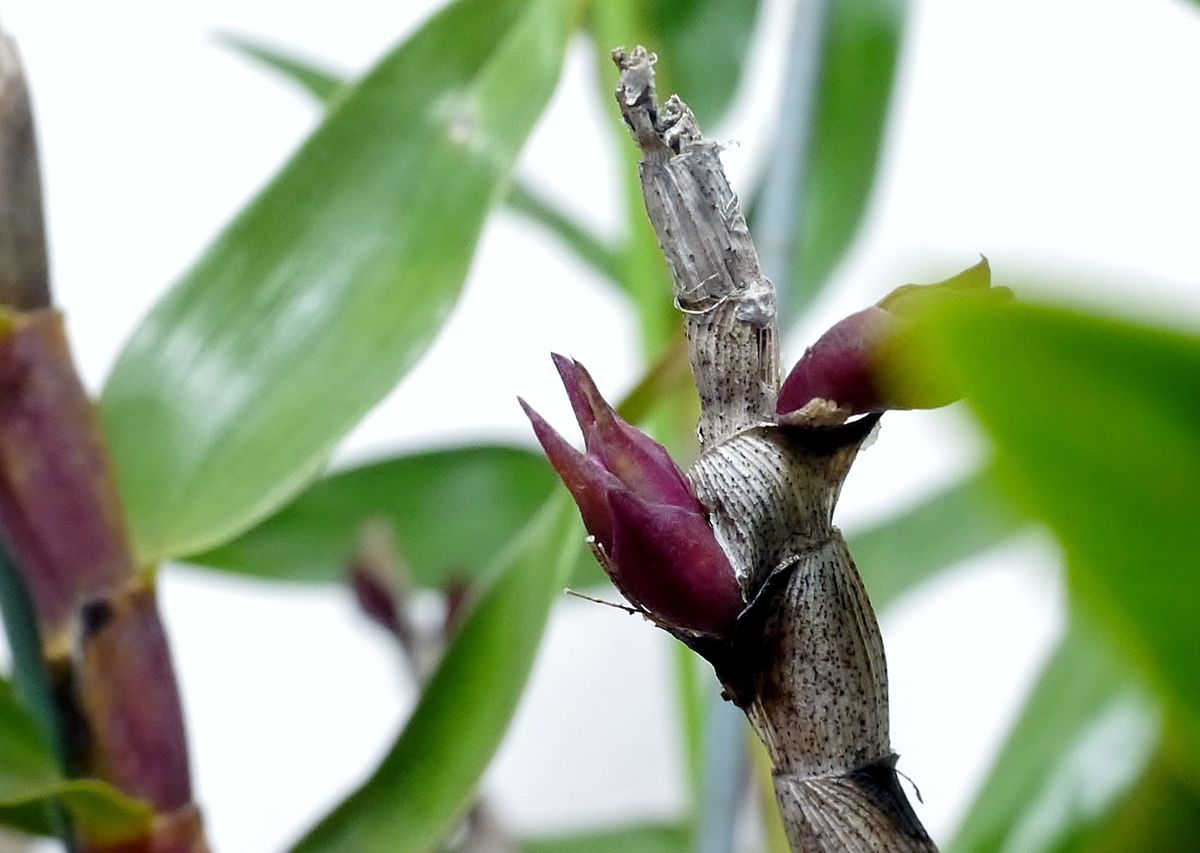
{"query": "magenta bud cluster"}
pixel 650 530
pixel 653 533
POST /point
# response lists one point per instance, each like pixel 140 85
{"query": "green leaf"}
pixel 1096 424
pixel 318 297
pixel 30 676
pixel 30 783
pixel 963 519
pixel 809 213
pixel 703 44
pixel 452 511
pixel 1083 740
pixel 664 838
pixel 528 202
pixel 319 82
pixel 1160 810
pixel 522 199
pixel 427 781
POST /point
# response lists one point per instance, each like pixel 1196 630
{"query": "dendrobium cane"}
pixel 739 558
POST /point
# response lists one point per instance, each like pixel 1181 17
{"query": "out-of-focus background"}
pixel 1057 137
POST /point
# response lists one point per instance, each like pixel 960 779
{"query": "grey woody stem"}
pixel 805 660
pixel 727 304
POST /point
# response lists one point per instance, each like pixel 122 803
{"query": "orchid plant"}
pixel 728 546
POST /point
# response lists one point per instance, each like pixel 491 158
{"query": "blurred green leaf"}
pixel 663 838
pixel 963 519
pixel 808 214
pixel 30 783
pixel 452 512
pixel 1160 811
pixel 427 781
pixel 1083 740
pixel 522 199
pixel 704 44
pixel 533 205
pixel 29 674
pixel 318 297
pixel 319 82
pixel 1096 424
pixel 426 497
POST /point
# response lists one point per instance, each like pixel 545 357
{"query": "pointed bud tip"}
pixel 586 401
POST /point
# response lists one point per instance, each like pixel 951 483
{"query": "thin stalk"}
pixel 525 201
pixel 783 204
pixel 692 716
pixel 724 777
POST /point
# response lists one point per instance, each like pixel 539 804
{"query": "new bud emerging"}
pixel 651 530
pixel 840 375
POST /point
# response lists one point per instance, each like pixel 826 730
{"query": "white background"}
pixel 1058 137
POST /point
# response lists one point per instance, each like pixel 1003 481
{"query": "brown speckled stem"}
pixel 805 661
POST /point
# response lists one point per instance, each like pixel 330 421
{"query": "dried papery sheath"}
pixel 804 658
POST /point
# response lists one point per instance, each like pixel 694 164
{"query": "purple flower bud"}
pixel 642 512
pixel 835 378
pixel 840 375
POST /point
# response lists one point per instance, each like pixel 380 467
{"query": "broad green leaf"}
pixel 897 554
pixel 1083 740
pixel 319 296
pixel 427 780
pixel 30 783
pixel 522 199
pixel 809 212
pixel 1096 425
pixel 452 511
pixel 663 838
